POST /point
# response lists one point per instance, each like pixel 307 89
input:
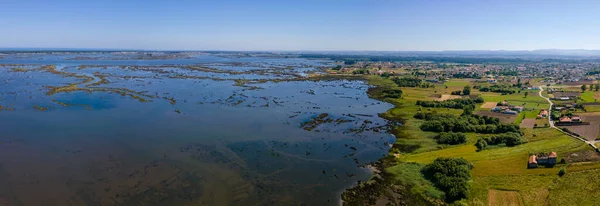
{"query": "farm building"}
pixel 547 159
pixel 508 111
pixel 542 160
pixel 518 108
pixel 497 109
pixel 552 158
pixel 576 118
pixel 543 113
pixel 532 162
pixel 564 119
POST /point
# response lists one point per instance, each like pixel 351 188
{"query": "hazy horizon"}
pixel 266 25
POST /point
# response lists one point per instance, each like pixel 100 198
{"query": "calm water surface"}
pixel 155 132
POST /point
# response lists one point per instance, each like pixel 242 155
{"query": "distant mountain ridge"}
pixel 498 53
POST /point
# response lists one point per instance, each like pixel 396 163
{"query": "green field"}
pixel 576 184
pixel 592 108
pixel 496 169
pixel 532 101
pixel 588 96
pixel 457 83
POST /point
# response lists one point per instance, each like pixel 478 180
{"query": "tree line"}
pixel 451 103
pixel 464 123
pixel 496 88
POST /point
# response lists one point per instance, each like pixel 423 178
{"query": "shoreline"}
pixel 379 179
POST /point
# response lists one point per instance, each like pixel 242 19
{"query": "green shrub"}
pixel 451 138
pixel 450 175
pixel 562 172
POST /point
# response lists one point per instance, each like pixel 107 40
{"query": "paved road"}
pixel 591 143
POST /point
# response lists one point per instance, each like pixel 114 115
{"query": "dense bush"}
pixel 386 74
pixel 467 90
pixel 432 115
pixel 451 103
pixel 481 144
pixel 509 139
pixel 562 172
pixel 392 93
pixel 456 92
pixel 360 71
pixel 407 81
pixel 450 175
pixel 451 138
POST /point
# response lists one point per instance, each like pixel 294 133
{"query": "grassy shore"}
pixel 500 175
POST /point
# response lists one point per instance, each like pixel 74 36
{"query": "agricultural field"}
pixel 500 175
pixel 542 122
pixel 504 118
pixel 590 96
pixel 528 123
pixel 592 108
pixel 488 105
pixel 591 131
pixel 532 101
pixel 576 184
pixel 504 198
pixel 506 169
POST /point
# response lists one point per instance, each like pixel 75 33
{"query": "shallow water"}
pixel 169 135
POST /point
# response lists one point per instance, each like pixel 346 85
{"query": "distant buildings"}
pixel 505 108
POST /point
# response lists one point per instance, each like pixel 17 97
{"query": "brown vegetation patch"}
pixel 489 105
pixel 567 94
pixel 528 123
pixel 504 118
pixel 578 83
pixel 447 97
pixel 582 156
pixel 504 198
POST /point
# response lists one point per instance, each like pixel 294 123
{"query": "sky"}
pixel 379 25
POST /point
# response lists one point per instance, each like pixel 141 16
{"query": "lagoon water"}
pixel 120 131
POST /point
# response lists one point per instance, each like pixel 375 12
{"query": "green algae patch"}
pixel 40 108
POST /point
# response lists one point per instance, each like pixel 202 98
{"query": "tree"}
pixel 467 90
pixel 481 144
pixel 591 87
pixel 526 93
pixel 583 88
pixel 597 87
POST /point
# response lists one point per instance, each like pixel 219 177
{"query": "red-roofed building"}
pixel 564 119
pixel 543 113
pixel 532 162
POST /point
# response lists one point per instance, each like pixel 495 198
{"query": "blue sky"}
pixel 403 25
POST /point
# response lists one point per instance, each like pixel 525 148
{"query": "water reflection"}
pixel 200 140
